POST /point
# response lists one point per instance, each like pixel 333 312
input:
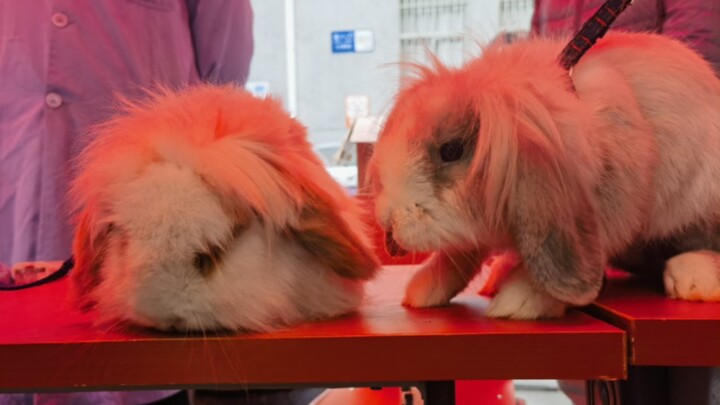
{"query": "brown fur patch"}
pixel 212 256
pixel 329 238
pixel 559 241
pixel 89 253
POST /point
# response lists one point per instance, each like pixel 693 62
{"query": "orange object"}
pixel 468 392
pixel 364 153
pixel 484 392
pixel 361 396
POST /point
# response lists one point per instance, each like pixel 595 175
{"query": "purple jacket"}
pixel 61 61
pixel 696 22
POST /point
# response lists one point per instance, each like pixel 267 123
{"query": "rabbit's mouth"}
pixel 392 246
pixel 176 323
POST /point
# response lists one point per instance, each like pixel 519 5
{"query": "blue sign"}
pixel 343 41
pixel 258 89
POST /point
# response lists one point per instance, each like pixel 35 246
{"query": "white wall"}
pixel 325 78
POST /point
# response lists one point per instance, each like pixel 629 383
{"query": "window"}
pixel 436 25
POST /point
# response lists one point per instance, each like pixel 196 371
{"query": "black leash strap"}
pixel 593 29
pixel 59 273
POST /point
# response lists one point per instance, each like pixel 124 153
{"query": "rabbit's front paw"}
pixel 693 276
pixel 518 298
pixel 425 289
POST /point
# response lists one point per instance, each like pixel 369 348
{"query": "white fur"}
pixel 441 277
pixel 434 286
pixel 519 298
pixel 265 280
pixel 569 171
pixel 213 169
pixel 693 276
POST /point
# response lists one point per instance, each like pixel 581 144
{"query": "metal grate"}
pixel 436 25
pixel 515 15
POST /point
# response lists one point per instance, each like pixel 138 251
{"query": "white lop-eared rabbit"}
pixel 206 208
pixel 570 171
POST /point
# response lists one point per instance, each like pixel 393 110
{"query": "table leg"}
pixel 646 385
pixel 439 393
pixel 603 392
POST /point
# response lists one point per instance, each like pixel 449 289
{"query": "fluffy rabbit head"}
pixel 466 153
pixel 206 208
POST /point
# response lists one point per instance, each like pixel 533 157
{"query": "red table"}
pixel 46 345
pixel 662 331
pixel 672 343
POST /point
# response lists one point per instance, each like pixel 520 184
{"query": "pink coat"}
pixel 696 22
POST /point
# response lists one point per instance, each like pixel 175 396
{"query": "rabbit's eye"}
pixel 452 151
pixel 206 262
pixel 209 258
pixel 203 262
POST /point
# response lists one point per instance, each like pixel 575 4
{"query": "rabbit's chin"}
pixel 425 242
pixel 438 229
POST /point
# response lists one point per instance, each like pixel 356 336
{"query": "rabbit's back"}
pixel 660 105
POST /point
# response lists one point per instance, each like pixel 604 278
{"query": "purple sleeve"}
pixel 696 22
pixel 223 38
pixel 535 21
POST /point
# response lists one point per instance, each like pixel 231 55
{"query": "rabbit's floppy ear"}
pixel 326 235
pixel 89 247
pixel 552 219
pixel 561 248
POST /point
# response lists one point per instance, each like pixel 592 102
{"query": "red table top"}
pixel 44 344
pixel 662 331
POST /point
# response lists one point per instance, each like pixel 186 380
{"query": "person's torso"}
pixel 86 50
pixel 565 17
